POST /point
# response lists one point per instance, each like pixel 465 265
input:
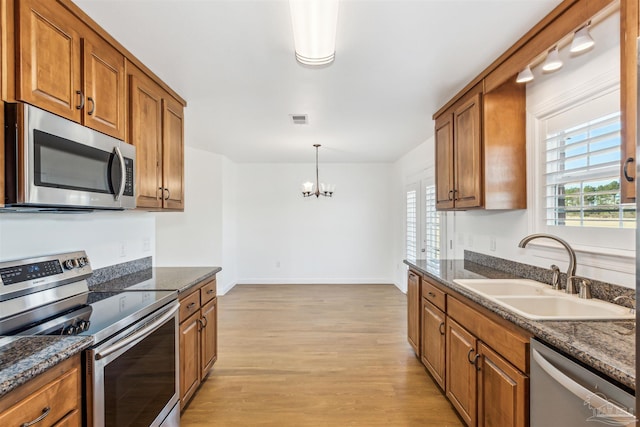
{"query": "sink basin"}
pixel 538 301
pixel 504 286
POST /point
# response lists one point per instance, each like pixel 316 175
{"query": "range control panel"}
pixel 48 271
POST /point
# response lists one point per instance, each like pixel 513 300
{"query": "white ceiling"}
pixel 397 62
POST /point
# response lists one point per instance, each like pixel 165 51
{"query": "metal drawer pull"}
pixel 45 412
pixel 431 294
pixel 191 305
pixel 441 328
pixel 210 291
pixel 624 169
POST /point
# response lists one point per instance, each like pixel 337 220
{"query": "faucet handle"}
pixel 585 288
pixel 555 277
pixel 571 285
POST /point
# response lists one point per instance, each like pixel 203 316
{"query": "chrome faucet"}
pixel 570 287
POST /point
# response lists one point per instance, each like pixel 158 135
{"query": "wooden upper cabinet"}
pixel 145 133
pixel 156 129
pixel 48 64
pixel 173 154
pixel 66 68
pixel 444 161
pixel 104 87
pixel 480 150
pixel 629 22
pixel 468 153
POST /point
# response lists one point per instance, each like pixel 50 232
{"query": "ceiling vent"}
pixel 299 119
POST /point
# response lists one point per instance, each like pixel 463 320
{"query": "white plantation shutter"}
pixel 432 224
pixel 412 224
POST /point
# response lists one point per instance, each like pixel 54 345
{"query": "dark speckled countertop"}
pixel 22 358
pixel 607 346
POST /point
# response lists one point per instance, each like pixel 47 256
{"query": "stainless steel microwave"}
pixel 54 164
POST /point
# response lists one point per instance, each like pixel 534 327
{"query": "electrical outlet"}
pixel 492 243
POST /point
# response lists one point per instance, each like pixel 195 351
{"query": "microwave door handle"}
pixel 590 398
pixel 123 172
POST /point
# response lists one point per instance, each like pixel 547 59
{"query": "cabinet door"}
pixel 173 155
pixel 189 358
pixel 208 337
pixel 468 161
pixel 104 87
pixel 413 311
pixel 502 392
pixel 145 133
pixel 461 375
pixel 433 341
pixel 444 162
pixel 48 63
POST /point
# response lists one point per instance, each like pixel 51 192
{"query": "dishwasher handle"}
pixel 616 413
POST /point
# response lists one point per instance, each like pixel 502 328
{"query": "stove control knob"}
pixel 70 330
pixel 69 264
pixel 82 325
pixel 82 262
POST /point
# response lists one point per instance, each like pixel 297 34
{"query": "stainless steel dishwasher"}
pixel 564 393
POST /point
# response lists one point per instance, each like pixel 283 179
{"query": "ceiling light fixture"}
pixel 582 39
pixel 314 30
pixel 553 61
pixel 320 187
pixel 525 75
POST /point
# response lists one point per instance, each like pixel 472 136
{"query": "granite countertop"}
pixel 607 346
pixel 179 279
pixel 22 358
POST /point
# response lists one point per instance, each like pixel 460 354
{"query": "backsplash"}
pixel 111 272
pixel 601 290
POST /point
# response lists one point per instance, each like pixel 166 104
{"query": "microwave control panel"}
pixel 128 184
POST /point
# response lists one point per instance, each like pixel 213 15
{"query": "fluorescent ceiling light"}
pixel 314 30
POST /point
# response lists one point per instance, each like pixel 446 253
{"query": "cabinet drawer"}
pixel 189 305
pixel 434 295
pixel 58 398
pixel 208 291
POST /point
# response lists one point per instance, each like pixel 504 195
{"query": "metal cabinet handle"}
pixel 450 194
pixel 441 328
pixel 204 322
pixel 210 291
pixel 191 305
pixel 168 194
pixel 469 357
pixel 624 169
pixel 81 106
pixel 45 412
pixel 93 105
pixel 431 294
pixel 160 189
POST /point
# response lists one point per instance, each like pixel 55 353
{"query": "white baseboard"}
pixel 315 281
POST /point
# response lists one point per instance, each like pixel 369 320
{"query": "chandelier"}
pixel 320 187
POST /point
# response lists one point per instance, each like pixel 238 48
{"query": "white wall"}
pixel 107 237
pixel 283 237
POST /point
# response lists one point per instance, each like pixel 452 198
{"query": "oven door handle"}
pixel 138 335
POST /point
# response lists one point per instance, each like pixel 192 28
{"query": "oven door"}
pixel 132 378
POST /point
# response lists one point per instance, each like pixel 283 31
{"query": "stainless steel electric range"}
pixel 131 370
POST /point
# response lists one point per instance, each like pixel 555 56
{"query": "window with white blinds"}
pixel 432 224
pixel 582 171
pixel 412 224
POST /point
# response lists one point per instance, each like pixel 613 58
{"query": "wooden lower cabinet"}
pixel 413 311
pixel 461 349
pixel 503 392
pixel 198 337
pixel 54 395
pixel 480 360
pixel 434 341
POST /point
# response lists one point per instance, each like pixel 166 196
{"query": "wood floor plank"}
pixel 316 356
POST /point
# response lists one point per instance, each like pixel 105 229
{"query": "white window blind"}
pixel 582 172
pixel 432 221
pixel 412 224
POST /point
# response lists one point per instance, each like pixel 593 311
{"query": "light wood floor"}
pixel 316 355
